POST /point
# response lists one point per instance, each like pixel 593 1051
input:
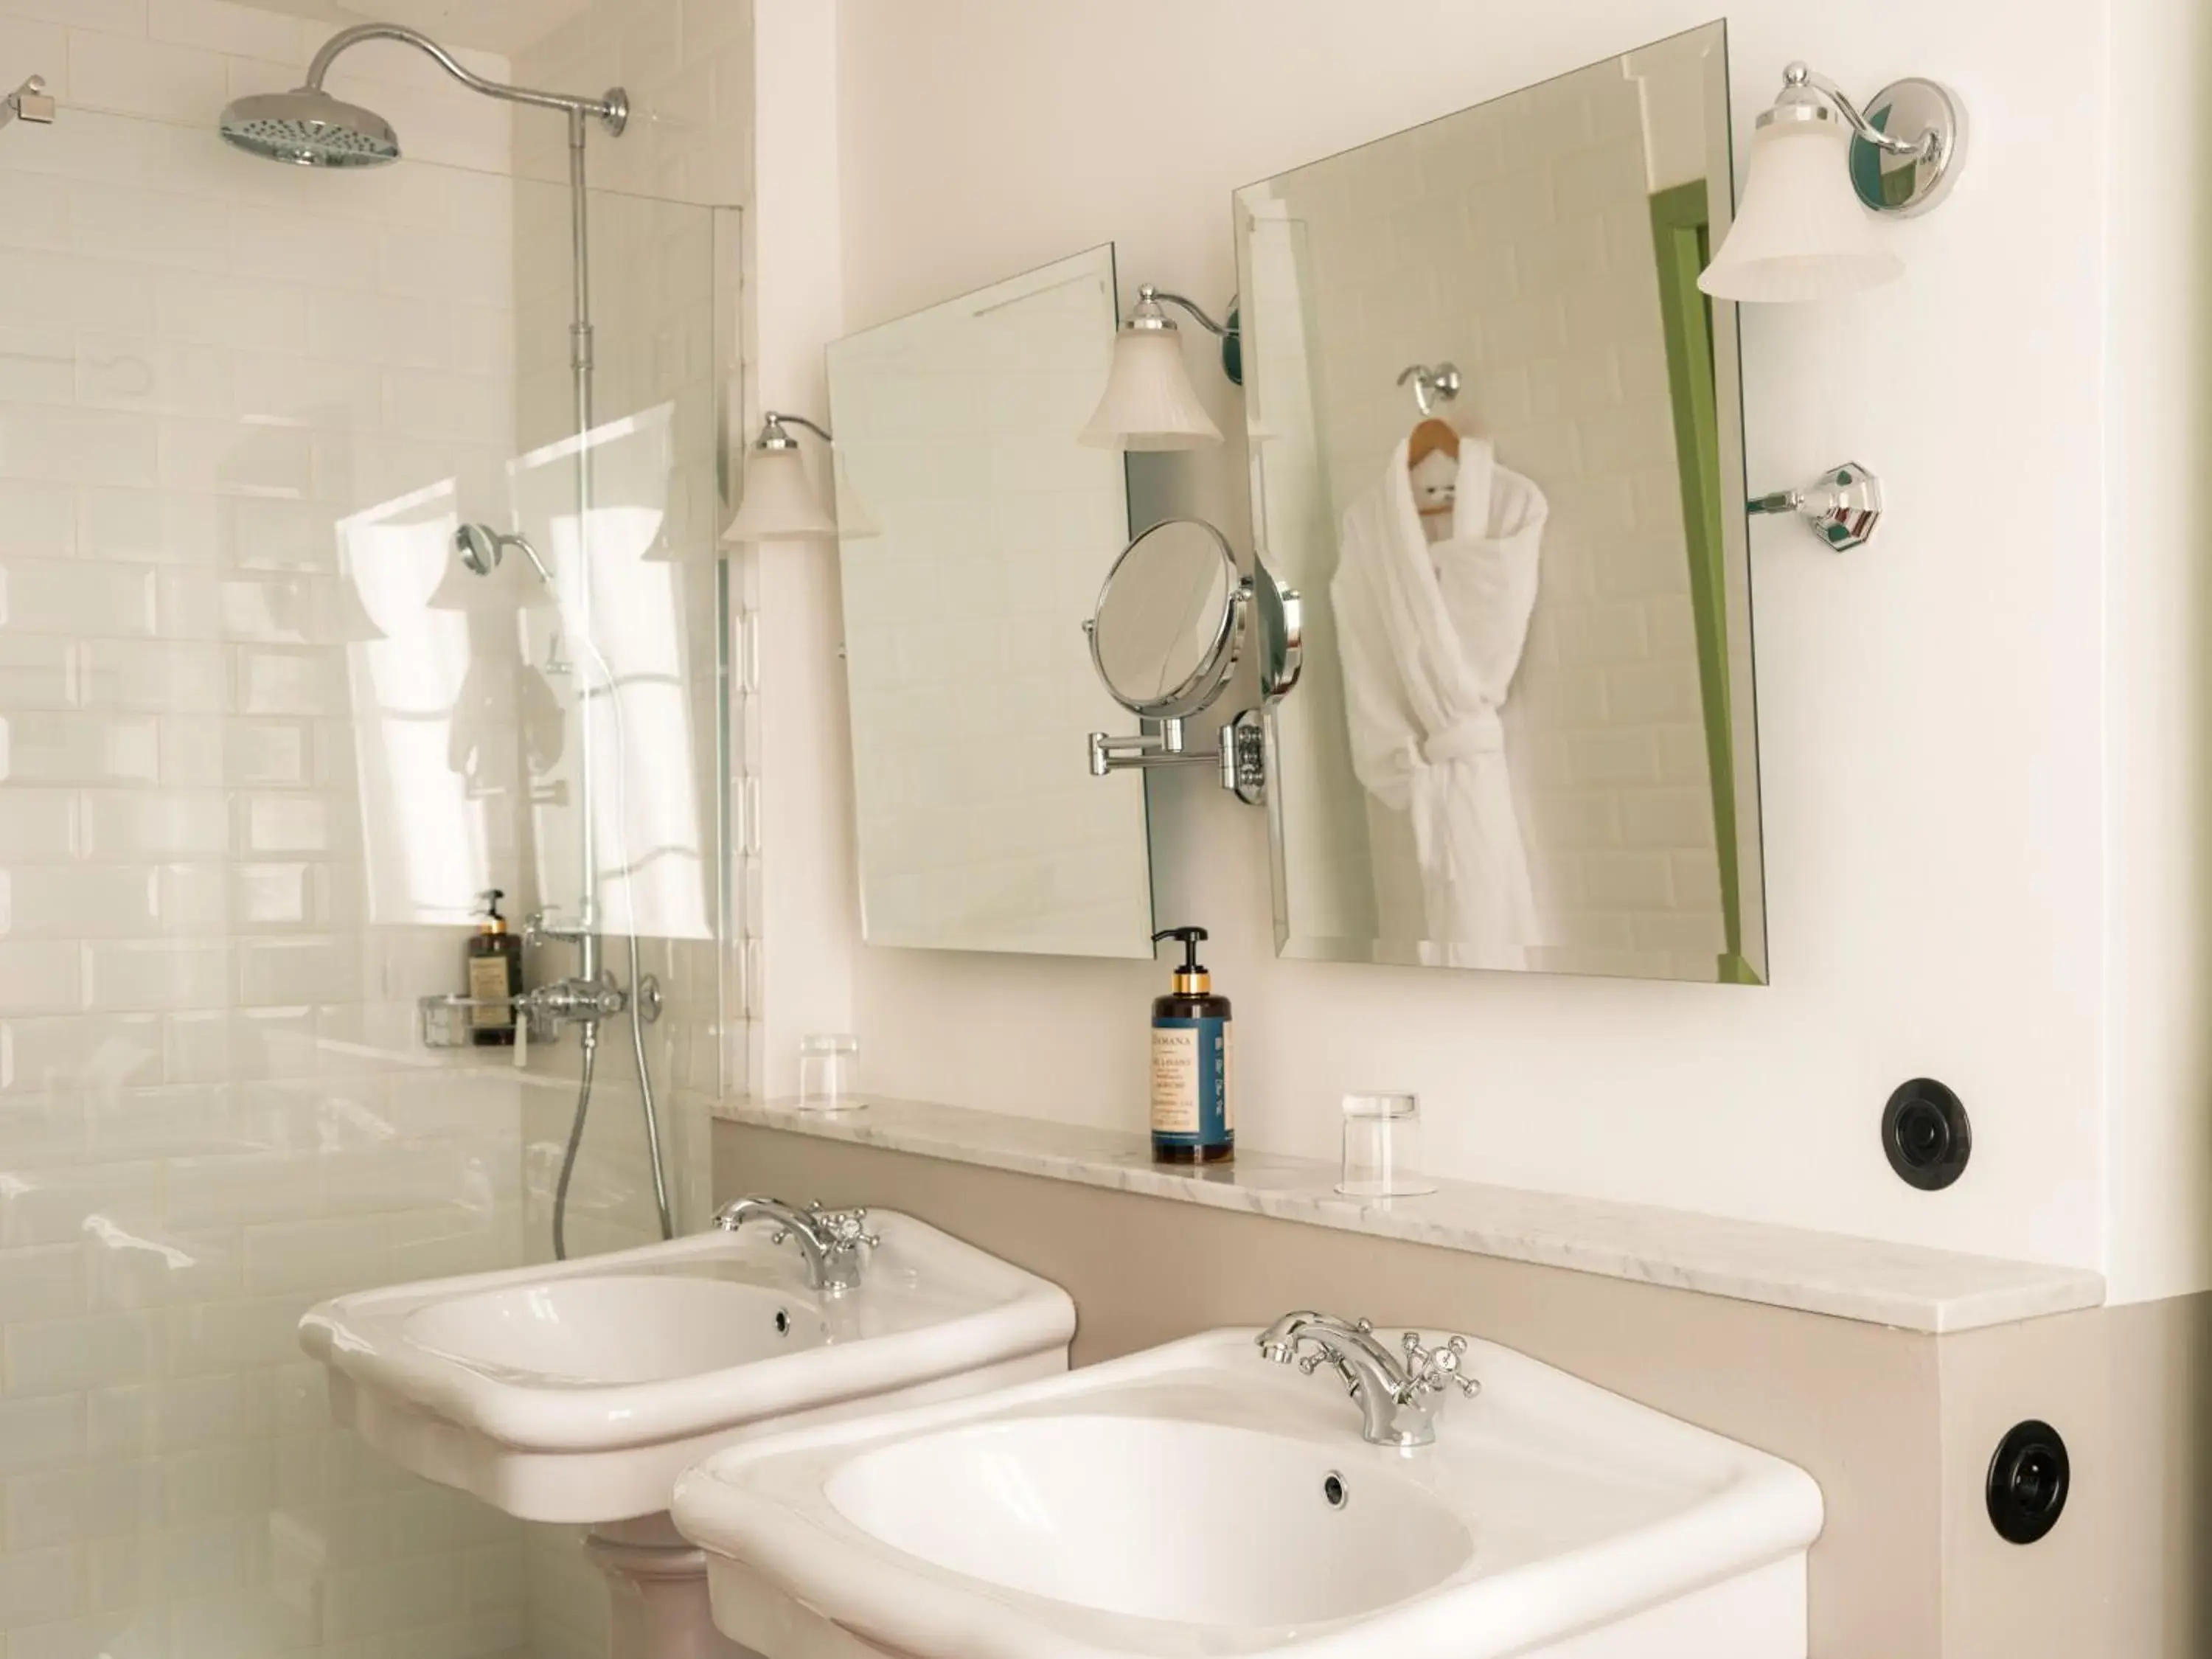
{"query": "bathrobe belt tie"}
pixel 1427 781
pixel 1479 734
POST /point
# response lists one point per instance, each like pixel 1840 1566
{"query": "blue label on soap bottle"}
pixel 1215 1125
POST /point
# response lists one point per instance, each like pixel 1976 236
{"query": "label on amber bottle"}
pixel 1190 1082
pixel 488 982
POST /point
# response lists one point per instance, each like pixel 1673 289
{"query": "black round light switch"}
pixel 1927 1135
pixel 2029 1478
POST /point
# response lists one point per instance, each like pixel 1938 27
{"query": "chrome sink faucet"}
pixel 830 1240
pixel 1398 1398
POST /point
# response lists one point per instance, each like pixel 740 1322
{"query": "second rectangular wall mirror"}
pixel 1496 442
pixel 973 531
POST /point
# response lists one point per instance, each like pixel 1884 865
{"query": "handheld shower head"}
pixel 309 128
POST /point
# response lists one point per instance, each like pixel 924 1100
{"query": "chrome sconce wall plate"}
pixel 1149 403
pixel 1908 145
pixel 1173 619
pixel 1842 507
pixel 1820 166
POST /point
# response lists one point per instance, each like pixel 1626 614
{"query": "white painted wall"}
pixel 810 913
pixel 2157 607
pixel 1930 710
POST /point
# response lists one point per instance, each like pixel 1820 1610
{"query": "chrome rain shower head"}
pixel 309 128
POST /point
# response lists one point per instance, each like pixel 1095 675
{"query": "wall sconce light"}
pixel 780 505
pixel 1149 402
pixel 1818 166
pixel 1842 507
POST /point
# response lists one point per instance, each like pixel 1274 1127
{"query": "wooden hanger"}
pixel 1429 437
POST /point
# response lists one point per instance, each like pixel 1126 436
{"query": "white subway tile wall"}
pixel 223 384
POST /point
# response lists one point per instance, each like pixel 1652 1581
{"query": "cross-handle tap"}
pixel 1398 1398
pixel 830 1240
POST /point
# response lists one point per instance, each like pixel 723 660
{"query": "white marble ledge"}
pixel 1904 1285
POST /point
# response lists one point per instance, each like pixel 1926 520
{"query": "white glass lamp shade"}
pixel 1149 402
pixel 779 503
pixel 1802 233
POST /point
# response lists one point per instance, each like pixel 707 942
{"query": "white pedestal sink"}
pixel 578 1391
pixel 1195 1499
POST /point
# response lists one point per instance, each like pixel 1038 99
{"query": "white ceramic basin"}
pixel 610 1328
pixel 1196 1500
pixel 578 1391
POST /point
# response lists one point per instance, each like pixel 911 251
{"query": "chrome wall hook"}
pixel 1842 507
pixel 1431 387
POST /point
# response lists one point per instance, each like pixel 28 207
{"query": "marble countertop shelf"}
pixel 1904 1285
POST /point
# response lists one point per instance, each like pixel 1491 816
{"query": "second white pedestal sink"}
pixel 1196 1500
pixel 578 1391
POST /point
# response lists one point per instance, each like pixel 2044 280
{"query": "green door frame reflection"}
pixel 1681 232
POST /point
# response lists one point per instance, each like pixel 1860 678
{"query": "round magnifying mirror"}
pixel 1165 634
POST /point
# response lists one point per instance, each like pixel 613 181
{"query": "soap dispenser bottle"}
pixel 1193 1118
pixel 495 964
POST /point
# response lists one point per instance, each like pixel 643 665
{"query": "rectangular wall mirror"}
pixel 1495 441
pixel 973 532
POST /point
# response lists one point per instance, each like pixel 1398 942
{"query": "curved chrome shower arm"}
pixel 770 417
pixel 613 109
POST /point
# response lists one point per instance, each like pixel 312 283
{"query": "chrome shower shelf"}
pixel 444 1022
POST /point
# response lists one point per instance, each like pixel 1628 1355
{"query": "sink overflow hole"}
pixel 783 1321
pixel 1332 1490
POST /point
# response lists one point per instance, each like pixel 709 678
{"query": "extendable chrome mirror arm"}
pixel 1239 752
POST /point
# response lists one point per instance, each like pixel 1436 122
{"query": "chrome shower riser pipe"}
pixel 582 364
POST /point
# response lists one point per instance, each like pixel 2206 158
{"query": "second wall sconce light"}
pixel 1818 167
pixel 779 504
pixel 1149 402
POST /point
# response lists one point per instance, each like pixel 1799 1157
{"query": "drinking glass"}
pixel 1381 1145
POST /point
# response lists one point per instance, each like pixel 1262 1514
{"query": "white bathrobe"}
pixel 1431 635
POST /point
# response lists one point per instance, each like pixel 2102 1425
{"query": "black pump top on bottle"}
pixel 1190 938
